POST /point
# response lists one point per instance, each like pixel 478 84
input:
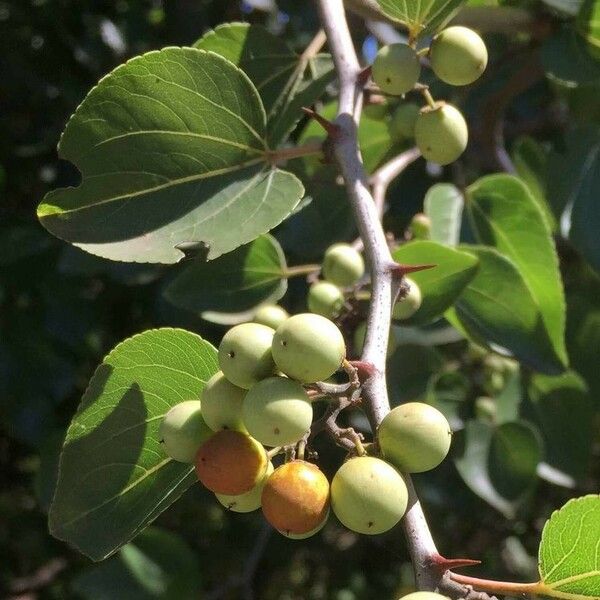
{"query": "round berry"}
pixel 343 265
pixel 458 55
pixel 424 596
pixel 245 354
pixel 231 462
pixel 249 501
pixel 308 534
pixel 420 226
pixel 414 437
pixel 277 411
pixel 325 299
pixel 295 498
pixel 404 119
pixel 271 315
pixel 368 495
pixel 183 430
pixel 396 69
pixel 407 306
pixel 308 348
pixel 441 133
pixel 222 404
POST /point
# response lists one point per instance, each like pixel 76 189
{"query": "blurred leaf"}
pixel 20 241
pixel 47 473
pixel 508 401
pixel 177 136
pixel 588 22
pixel 498 307
pixel 442 285
pixel 234 283
pixel 495 204
pixel 112 467
pixel 443 204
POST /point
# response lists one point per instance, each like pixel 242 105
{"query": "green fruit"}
pixel 222 404
pixel 343 265
pixel 420 226
pixel 308 348
pixel 245 354
pixel 359 340
pixel 404 119
pixel 303 536
pixel 415 437
pixel 458 55
pixel 277 411
pixel 485 409
pixel 406 307
pixel 441 133
pixel 396 69
pixel 271 315
pixel 424 596
pixel 368 495
pixel 183 430
pixel 244 503
pixel 325 299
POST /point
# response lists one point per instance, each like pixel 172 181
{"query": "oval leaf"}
pixel 171 147
pixel 568 555
pixel 505 215
pixel 112 467
pixel 443 204
pixel 235 283
pixel 442 285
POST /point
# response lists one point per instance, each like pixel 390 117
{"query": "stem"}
pixel 428 97
pixel 274 452
pixel 308 149
pixel 300 270
pixel 499 587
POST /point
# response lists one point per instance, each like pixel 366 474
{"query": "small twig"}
pixel 300 270
pixel 332 389
pixel 314 47
pixel 274 452
pixel 352 373
pixel 283 154
pixel 41 578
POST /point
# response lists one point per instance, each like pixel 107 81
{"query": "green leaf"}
pixel 114 478
pixel 505 215
pixel 278 73
pixel 498 308
pixel 588 23
pixel 442 285
pixel 565 413
pixel 443 204
pixel 231 287
pixel 172 151
pixel 420 16
pixel 568 555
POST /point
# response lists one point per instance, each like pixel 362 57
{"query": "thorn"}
pixel 331 128
pixel 402 270
pixel 445 564
pixel 363 77
pixel 365 369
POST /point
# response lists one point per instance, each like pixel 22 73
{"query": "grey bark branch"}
pixel 375 397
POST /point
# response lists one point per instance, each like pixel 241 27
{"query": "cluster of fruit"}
pixel 458 56
pixel 260 399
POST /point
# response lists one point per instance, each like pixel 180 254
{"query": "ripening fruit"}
pixel 368 495
pixel 183 430
pixel 458 55
pixel 295 498
pixel 231 462
pixel 410 304
pixel 245 354
pixel 249 501
pixel 396 69
pixel 325 299
pixel 424 596
pixel 415 437
pixel 271 315
pixel 308 347
pixel 308 534
pixel 404 119
pixel 277 411
pixel 441 133
pixel 343 265
pixel 222 404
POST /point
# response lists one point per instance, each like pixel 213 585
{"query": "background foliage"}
pixel 62 310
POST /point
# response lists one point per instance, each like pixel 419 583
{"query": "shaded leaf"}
pixel 443 204
pixel 588 23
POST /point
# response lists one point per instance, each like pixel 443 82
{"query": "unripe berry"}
pixel 231 462
pixel 245 354
pixel 420 226
pixel 308 348
pixel 458 55
pixel 277 411
pixel 343 265
pixel 414 437
pixel 244 503
pixel 308 534
pixel 368 495
pixel 396 69
pixel 325 299
pixel 295 498
pixel 441 133
pixel 271 315
pixel 424 596
pixel 406 307
pixel 404 119
pixel 183 430
pixel 222 404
